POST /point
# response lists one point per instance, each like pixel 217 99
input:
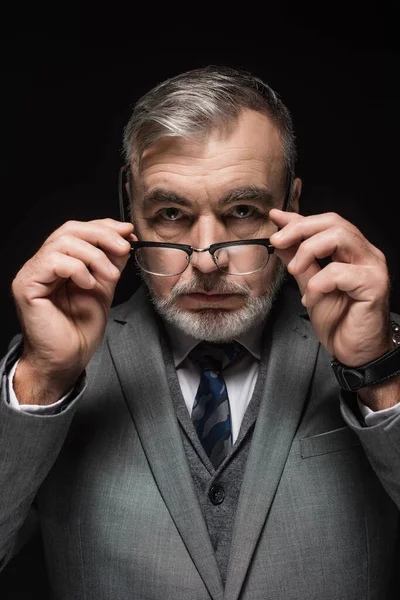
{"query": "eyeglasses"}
pixel 241 257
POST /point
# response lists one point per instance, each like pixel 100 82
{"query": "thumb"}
pixel 302 279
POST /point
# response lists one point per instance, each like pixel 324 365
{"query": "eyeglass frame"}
pixel 211 249
pixel 190 249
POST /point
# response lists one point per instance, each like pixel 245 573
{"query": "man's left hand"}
pixel 348 299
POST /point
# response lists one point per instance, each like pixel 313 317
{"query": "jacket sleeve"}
pixel 29 446
pixel 380 440
pixel 381 443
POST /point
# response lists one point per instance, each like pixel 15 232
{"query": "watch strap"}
pixel 376 371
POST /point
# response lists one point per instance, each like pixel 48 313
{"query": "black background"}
pixel 65 103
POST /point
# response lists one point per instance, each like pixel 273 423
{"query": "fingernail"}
pixel 278 234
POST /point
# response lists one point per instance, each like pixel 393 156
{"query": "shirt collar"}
pixel 182 343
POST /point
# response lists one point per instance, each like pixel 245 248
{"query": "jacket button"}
pixel 216 494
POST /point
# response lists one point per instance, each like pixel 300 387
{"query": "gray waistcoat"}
pixel 217 491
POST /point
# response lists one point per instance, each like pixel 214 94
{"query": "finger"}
pixel 94 258
pixel 362 283
pixel 43 273
pixel 119 261
pixel 338 242
pixel 112 238
pixel 113 223
pixel 59 267
pixel 295 228
pixel 67 267
pixel 302 278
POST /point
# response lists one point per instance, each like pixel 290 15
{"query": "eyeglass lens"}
pixel 233 260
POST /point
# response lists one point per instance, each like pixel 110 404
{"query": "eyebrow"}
pixel 161 196
pixel 249 192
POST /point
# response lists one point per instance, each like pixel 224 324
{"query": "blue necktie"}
pixel 211 413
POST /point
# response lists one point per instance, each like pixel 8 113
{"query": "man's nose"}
pixel 203 261
pixel 207 232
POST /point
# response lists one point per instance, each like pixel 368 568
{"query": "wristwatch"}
pixel 376 371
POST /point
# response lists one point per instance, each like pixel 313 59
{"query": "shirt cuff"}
pixel 377 417
pixel 37 409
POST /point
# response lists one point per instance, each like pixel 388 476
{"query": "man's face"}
pixel 217 189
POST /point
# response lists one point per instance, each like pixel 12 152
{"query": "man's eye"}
pixel 241 211
pixel 171 214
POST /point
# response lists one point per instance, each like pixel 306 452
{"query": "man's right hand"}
pixel 63 296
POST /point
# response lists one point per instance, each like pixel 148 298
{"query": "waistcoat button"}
pixel 216 494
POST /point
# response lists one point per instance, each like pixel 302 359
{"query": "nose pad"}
pixel 203 261
pixel 221 258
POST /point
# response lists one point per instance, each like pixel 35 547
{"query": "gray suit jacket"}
pixel 317 516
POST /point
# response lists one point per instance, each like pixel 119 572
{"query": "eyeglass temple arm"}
pixel 121 193
pixel 289 182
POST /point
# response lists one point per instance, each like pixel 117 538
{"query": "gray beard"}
pixel 214 325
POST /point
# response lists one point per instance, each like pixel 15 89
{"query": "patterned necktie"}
pixel 211 413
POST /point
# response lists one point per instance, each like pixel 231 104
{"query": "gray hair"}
pixel 192 103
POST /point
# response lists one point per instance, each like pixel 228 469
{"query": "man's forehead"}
pixel 249 151
pixel 251 134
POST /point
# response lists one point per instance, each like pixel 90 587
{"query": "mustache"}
pixel 206 282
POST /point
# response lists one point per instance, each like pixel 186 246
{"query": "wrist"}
pixel 381 396
pixel 33 385
pixel 377 373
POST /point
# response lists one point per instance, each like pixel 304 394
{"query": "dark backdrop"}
pixel 65 104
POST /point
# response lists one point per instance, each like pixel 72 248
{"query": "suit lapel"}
pixel 133 339
pixel 290 352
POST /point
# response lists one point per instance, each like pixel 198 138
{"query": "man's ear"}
pixel 296 191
